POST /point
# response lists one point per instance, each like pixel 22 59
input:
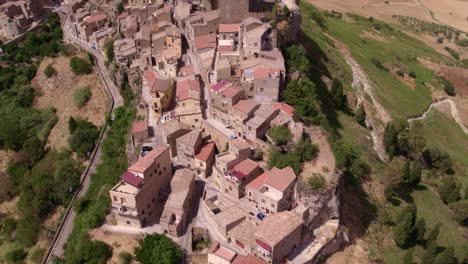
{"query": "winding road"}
pixel 66 226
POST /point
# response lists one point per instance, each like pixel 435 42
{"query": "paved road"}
pixel 57 248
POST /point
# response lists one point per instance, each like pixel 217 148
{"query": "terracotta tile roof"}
pixel 219 85
pixel 225 48
pixel 231 91
pixel 280 179
pixel 245 106
pixel 186 70
pixel 285 107
pixel 203 42
pixel 189 139
pixel 140 126
pixel 229 28
pixel 95 18
pixel 244 168
pixel 150 77
pixel 259 181
pixel 144 163
pixel 225 253
pixel 161 85
pixel 131 179
pixel 213 247
pixel 205 151
pixel 248 260
pixel 188 89
pixel 263 73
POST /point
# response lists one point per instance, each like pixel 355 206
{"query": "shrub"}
pixel 338 96
pixel 377 26
pixel 361 115
pixel 82 96
pixel 412 74
pixel 83 136
pixel 109 49
pixel 448 87
pixel 280 135
pixel 8 226
pixel 157 249
pixel 80 66
pixel 37 255
pixel 379 64
pixel 455 54
pixel 89 251
pixel 400 73
pixel 50 71
pixel 15 256
pixel 317 181
pixel 449 190
pixel 125 258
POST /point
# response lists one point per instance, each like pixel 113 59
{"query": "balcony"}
pixel 124 210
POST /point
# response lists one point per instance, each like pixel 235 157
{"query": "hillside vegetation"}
pixel 412 208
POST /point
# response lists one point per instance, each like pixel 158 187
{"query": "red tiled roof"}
pixel 243 168
pixel 228 28
pixel 248 260
pixel 187 89
pixel 232 91
pixel 131 179
pixel 144 163
pixel 187 70
pixel 245 106
pixel 262 73
pixel 259 181
pixel 95 18
pixel 225 48
pixel 280 179
pixel 219 85
pixel 205 151
pixel 161 85
pixel 285 107
pixel 208 41
pixel 263 244
pixel 225 253
pixel 150 76
pixel 138 127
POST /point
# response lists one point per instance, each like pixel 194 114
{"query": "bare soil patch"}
pixel 450 12
pixel 119 242
pixel 352 254
pixel 406 79
pixel 325 163
pixel 58 92
pixel 5 156
pixel 375 36
pixel 9 208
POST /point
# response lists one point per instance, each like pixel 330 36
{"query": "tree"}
pixel 449 190
pixel 430 254
pixel 419 229
pixel 390 140
pixel 411 141
pixel 408 258
pixel 448 87
pixel 338 96
pixel 437 159
pixel 50 71
pixel 125 258
pixel 460 211
pixel 390 191
pixel 72 124
pixel 432 237
pixel 407 171
pixel 402 234
pixel 286 11
pixel 361 115
pixel 81 96
pixel 8 226
pixel 446 257
pixel 282 160
pixel 27 229
pixel 297 59
pixel 416 173
pixel 83 136
pixel 306 150
pixel 157 249
pixel 91 251
pixel 33 149
pixel 109 49
pixel 120 8
pixel 80 66
pixel 317 181
pixel 279 134
pixel 16 256
pixel 66 176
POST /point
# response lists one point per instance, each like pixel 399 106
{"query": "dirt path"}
pixel 453 112
pixel 362 86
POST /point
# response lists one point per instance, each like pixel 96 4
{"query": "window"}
pixel 263 200
pixel 143 212
pixel 122 200
pixel 115 198
pixel 261 89
pixel 196 119
pixel 128 222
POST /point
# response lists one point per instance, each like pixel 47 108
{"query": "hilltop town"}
pixel 209 77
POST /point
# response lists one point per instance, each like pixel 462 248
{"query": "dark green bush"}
pixel 80 66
